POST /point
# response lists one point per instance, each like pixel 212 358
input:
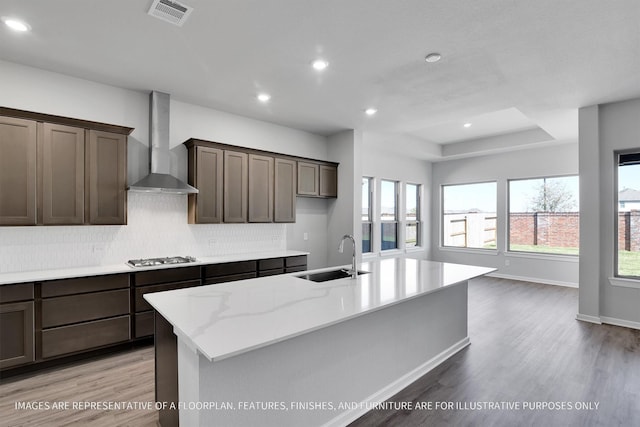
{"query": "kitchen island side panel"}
pixel 368 357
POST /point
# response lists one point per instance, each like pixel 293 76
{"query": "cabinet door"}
pixel 17 171
pixel 328 181
pixel 16 334
pixel 205 173
pixel 107 178
pixel 260 188
pixel 62 168
pixel 308 179
pixel 235 186
pixel 285 191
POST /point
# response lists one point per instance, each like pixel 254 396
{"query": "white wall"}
pixel 550 160
pixel 37 90
pixel 391 165
pixel 603 130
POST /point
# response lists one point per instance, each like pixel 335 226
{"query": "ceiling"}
pixel 507 67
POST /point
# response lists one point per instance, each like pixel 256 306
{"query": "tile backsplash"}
pixel 157 227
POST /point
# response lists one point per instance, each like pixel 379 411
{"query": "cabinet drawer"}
pixel 142 304
pixel 230 268
pixel 295 269
pixel 294 261
pixel 84 336
pixel 144 324
pixel 81 285
pixel 270 264
pixel 167 275
pixel 79 308
pixel 275 272
pixel 231 278
pixel 18 292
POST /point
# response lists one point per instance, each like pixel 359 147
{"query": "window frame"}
pixel 383 222
pixel 369 223
pixel 442 217
pixel 508 218
pixel 616 213
pixel 418 220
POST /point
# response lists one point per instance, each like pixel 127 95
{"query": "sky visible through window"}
pixel 629 177
pixel 462 198
pixel 521 191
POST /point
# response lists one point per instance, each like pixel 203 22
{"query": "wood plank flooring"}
pixel 124 377
pixel 526 347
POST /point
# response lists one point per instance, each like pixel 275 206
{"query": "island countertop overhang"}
pixel 224 320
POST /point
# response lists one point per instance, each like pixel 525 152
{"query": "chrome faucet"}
pixel 353 271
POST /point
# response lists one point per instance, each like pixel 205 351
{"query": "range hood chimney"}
pixel 159 179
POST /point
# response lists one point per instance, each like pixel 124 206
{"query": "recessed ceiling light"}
pixel 264 97
pixel 319 64
pixel 433 57
pixel 16 24
pixel 467 125
pixel 370 111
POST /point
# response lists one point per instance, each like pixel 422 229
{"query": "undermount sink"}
pixel 325 276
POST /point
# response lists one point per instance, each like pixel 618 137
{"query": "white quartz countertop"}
pixel 228 319
pixel 68 273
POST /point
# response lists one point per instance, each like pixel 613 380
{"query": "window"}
pixel 367 212
pixel 412 216
pixel 389 214
pixel 544 215
pixel 628 210
pixel 469 215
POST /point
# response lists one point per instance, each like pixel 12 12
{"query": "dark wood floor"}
pixel 526 346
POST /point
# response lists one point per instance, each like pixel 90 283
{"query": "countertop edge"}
pixel 12 278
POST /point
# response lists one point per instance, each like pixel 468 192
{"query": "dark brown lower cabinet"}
pixel 83 314
pixel 157 281
pixel 16 334
pixel 49 322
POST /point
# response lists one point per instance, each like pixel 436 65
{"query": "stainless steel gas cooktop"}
pixel 152 262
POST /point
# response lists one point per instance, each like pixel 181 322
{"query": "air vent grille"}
pixel 170 11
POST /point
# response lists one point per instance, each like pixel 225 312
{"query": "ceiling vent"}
pixel 170 11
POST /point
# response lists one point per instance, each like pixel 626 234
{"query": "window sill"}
pixel 478 251
pixel 625 283
pixel 390 252
pixel 369 255
pixel 414 249
pixel 550 257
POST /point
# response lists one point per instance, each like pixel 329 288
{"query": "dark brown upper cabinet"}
pixel 256 185
pixel 61 171
pixel 285 191
pixel 317 180
pixel 328 181
pixel 261 188
pixel 107 178
pixel 205 173
pixel 18 144
pixel 235 186
pixel 308 179
pixel 62 174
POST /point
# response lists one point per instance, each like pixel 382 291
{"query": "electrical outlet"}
pixel 305 236
pixel 507 262
pixel 98 248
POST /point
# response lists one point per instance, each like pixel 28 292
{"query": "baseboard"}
pixel 620 322
pixel 534 280
pixel 395 387
pixel 590 319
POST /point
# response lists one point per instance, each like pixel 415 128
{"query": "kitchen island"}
pixel 288 351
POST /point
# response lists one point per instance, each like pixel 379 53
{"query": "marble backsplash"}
pixel 157 227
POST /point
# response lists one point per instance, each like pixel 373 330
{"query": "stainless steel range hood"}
pixel 159 179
